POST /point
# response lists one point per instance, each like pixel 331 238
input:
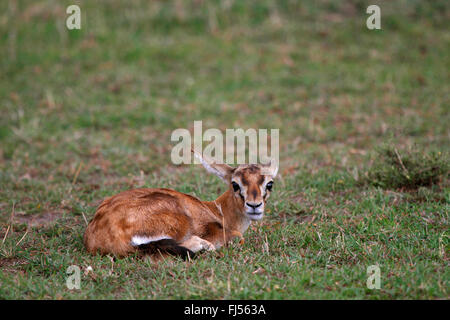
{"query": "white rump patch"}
pixel 138 240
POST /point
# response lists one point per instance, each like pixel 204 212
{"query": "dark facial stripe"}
pixel 261 180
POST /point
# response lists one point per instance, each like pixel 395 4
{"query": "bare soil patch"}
pixel 37 220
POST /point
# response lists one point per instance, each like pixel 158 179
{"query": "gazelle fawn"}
pixel 174 222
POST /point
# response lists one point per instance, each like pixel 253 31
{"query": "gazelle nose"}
pixel 254 206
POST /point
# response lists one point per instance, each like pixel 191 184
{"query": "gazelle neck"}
pixel 226 206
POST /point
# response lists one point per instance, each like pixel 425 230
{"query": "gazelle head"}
pixel 250 184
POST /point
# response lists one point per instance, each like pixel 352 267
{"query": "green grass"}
pixel 105 99
pixel 408 169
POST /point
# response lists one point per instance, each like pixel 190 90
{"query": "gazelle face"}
pixel 250 184
pixel 251 189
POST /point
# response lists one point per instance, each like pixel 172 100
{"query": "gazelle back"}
pixel 168 220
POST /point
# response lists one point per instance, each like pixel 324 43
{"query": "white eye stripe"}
pixel 267 180
pixel 242 191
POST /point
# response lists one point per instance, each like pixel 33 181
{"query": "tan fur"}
pixel 192 223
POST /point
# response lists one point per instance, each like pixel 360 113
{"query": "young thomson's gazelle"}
pixel 174 222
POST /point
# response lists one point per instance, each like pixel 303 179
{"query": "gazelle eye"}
pixel 269 186
pixel 235 186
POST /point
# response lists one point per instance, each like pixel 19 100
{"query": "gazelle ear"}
pixel 270 169
pixel 223 171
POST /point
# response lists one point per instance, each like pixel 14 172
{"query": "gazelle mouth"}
pixel 254 215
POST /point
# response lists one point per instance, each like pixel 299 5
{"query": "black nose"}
pixel 254 206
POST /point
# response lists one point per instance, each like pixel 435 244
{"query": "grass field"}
pixel 88 113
